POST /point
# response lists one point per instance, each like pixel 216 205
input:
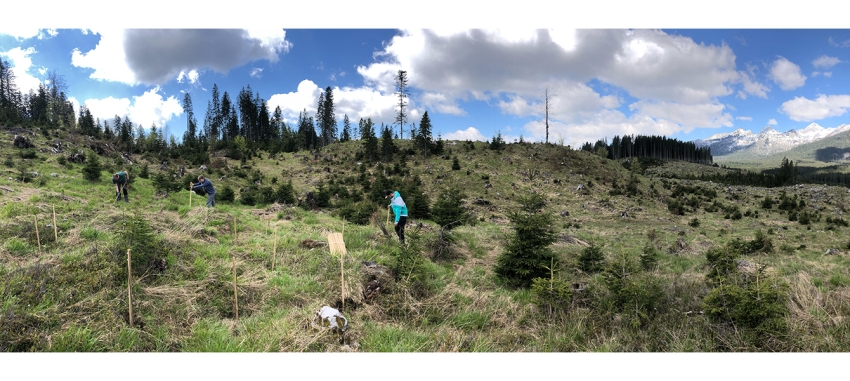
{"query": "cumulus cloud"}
pixel 256 72
pixel 786 74
pixel 155 56
pixel 687 116
pixel 751 87
pixel 22 32
pixel 191 76
pixel 802 109
pixel 361 102
pixel 471 133
pixel 147 109
pixel 772 122
pixel 677 82
pixel 825 62
pixel 744 118
pixel 21 64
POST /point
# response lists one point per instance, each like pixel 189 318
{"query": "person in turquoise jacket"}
pixel 400 210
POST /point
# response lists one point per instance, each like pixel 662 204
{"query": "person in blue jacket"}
pixel 208 187
pixel 400 210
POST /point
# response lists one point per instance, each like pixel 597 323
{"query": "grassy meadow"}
pixel 643 263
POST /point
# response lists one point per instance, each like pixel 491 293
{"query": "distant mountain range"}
pixel 767 142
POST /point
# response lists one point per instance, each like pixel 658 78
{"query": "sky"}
pixel 605 76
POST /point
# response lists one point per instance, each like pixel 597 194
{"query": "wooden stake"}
pixel 274 250
pixel 55 230
pixel 129 287
pixel 235 296
pixel 342 277
pixel 234 230
pixel 37 238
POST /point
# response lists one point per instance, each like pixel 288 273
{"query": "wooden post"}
pixel 235 296
pixel 274 249
pixel 129 287
pixel 342 277
pixel 37 238
pixel 55 229
pixel 234 230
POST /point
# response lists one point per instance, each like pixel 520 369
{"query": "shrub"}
pixel 455 164
pixel 285 194
pixel 144 172
pixel 357 213
pixel 638 297
pixel 226 194
pixel 448 211
pixel 649 257
pixel 694 223
pixel 91 171
pixel 28 154
pixel 148 250
pixel 590 259
pixel 526 252
pixel 756 304
pixel 551 295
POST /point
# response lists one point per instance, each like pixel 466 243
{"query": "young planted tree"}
pixel 448 210
pixel 527 254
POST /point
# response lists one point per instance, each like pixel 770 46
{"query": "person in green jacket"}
pixel 400 210
pixel 120 181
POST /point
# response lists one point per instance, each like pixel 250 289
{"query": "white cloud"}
pixel 146 109
pixel 827 74
pixel 107 108
pixel 470 133
pixel 155 56
pixel 191 76
pixel 772 122
pixel 686 116
pixel 256 72
pixel 751 87
pixel 744 118
pixel 361 102
pixel 824 106
pixel 825 62
pixel 786 74
pixel 21 32
pixel 21 64
pixel 441 103
pixel 840 44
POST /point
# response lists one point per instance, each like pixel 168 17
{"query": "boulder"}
pixel 22 142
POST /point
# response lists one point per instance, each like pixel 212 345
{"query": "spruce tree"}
pixel 526 252
pixel 448 211
pixel 92 169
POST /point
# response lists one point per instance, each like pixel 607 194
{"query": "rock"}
pixel 54 175
pixel 22 142
pixel 202 168
pixel 565 214
pixel 833 252
pixel 580 187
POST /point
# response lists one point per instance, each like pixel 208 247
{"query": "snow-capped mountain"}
pixel 768 141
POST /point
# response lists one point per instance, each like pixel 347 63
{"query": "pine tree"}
pixel 526 252
pixel 448 211
pixel 346 129
pixel 402 91
pixel 423 137
pixel 388 148
pixel 370 141
pixel 91 171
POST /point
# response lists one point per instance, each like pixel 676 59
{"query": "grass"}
pixel 74 298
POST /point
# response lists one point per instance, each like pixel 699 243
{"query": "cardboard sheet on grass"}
pixel 337 246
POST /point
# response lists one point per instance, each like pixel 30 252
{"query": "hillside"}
pixel 802 155
pixel 660 245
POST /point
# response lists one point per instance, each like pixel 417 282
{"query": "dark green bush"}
pixel 358 213
pixel 91 171
pixel 226 194
pixel 591 259
pixel 526 252
pixel 448 210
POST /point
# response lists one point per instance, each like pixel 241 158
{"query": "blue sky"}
pixel 603 81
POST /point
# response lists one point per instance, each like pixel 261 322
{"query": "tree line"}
pixel 658 147
pixel 48 105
